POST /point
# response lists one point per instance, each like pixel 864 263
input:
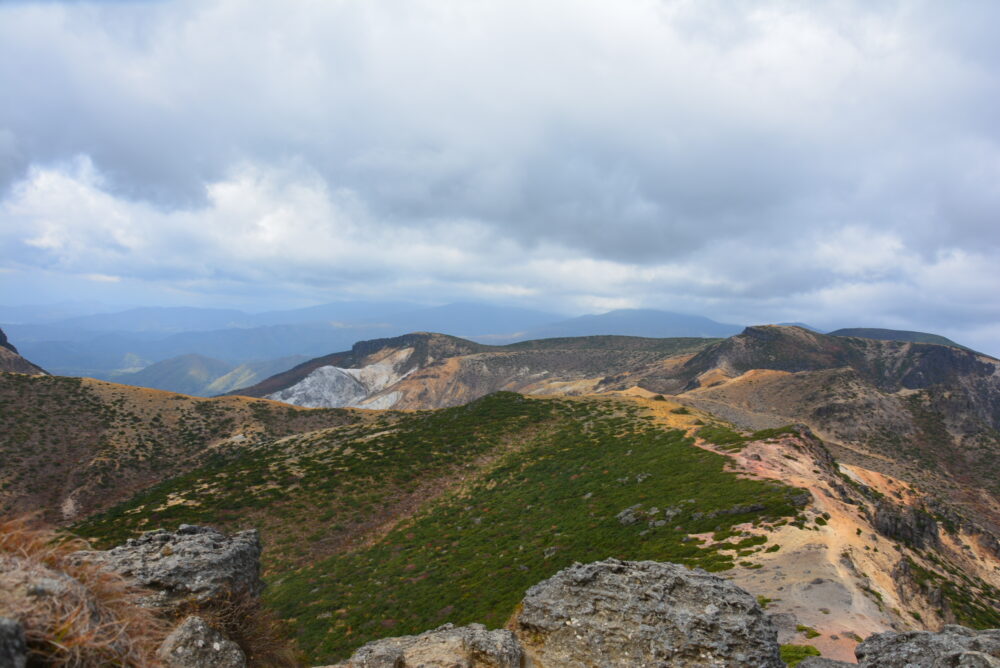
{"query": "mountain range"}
pixel 889 467
pixel 118 345
pixel 847 482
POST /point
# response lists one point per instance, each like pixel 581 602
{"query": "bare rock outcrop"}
pixel 907 524
pixel 194 565
pixel 447 646
pixel 952 646
pixel 643 613
pixel 194 644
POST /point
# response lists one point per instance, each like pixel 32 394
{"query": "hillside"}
pixel 456 512
pixel 412 520
pixel 202 376
pixel 924 412
pixel 425 370
pixel 71 446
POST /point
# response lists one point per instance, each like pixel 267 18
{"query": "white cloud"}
pixel 773 161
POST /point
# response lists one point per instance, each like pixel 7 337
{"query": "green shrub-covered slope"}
pixel 420 519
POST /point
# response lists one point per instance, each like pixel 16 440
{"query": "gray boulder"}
pixel 953 646
pixel 13 648
pixel 447 646
pixel 195 564
pixel 194 644
pixel 821 662
pixel 624 613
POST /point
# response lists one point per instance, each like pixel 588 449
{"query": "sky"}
pixel 835 163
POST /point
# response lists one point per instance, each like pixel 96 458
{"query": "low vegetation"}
pixel 449 516
pixel 793 655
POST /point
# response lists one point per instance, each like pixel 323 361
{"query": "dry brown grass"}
pixel 73 613
pixel 263 637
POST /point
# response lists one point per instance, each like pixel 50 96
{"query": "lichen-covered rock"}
pixel 13 649
pixel 447 646
pixel 192 565
pixel 821 662
pixel 195 644
pixel 622 613
pixel 952 646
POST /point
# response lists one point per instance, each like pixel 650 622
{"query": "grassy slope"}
pixel 507 491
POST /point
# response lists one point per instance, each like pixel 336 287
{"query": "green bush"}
pixel 793 655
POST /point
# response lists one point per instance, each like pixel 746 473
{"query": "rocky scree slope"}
pixel 73 446
pixel 868 553
pixel 924 412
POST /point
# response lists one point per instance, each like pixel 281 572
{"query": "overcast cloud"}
pixel 834 163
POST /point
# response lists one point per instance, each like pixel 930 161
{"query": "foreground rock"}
pixel 13 648
pixel 447 646
pixel 953 646
pixel 194 565
pixel 194 644
pixel 623 613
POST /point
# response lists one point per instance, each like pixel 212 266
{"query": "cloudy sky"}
pixel 833 163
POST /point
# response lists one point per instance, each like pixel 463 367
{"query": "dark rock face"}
pixel 192 565
pixel 907 524
pixel 621 613
pixel 464 646
pixel 13 648
pixel 194 644
pixel 953 646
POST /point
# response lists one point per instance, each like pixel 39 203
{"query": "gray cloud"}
pixel 831 163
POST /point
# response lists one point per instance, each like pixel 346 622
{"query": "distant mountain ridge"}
pixel 201 376
pixel 186 374
pixel 103 346
pixel 896 335
pixel 646 323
